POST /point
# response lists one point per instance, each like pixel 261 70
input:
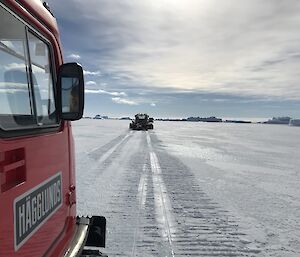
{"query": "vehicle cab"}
pixel 39 96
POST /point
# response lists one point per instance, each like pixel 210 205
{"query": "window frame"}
pixel 37 128
pixel 52 71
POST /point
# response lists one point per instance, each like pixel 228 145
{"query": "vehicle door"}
pixel 34 147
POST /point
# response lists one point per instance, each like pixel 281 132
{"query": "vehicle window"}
pixel 42 80
pixel 26 82
pixel 15 98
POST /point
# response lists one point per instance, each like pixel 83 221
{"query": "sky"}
pixel 175 58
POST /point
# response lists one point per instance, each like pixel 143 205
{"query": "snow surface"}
pixel 191 189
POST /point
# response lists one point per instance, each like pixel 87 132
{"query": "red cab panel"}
pixel 37 217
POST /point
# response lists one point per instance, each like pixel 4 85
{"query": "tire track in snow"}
pixel 106 174
pixel 203 228
pixel 161 201
pixel 141 197
pixel 128 201
pixel 107 146
pixel 108 149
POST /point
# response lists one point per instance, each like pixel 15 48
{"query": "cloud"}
pixel 92 91
pixel 101 91
pixel 92 73
pixel 117 93
pixel 22 66
pixel 11 88
pixel 90 83
pixel 153 104
pixel 246 48
pixel 74 56
pixel 15 66
pixel 119 100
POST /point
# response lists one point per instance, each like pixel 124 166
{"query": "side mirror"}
pixel 70 86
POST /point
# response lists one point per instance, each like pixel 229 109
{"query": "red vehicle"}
pixel 39 96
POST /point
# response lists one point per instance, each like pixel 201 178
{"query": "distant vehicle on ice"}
pixel 141 122
pixel 150 123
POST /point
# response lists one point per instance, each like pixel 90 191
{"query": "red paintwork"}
pixel 44 156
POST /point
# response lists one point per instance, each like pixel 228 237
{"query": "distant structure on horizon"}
pixel 237 121
pixel 209 119
pixel 284 120
pixel 169 119
pixel 295 122
pixel 279 120
pixel 100 117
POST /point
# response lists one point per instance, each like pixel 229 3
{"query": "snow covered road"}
pixel 191 189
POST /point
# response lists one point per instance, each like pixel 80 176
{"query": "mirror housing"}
pixel 70 86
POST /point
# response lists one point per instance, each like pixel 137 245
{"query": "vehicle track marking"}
pixel 161 199
pixel 97 148
pixel 203 227
pixel 143 188
pixel 141 196
pixel 105 156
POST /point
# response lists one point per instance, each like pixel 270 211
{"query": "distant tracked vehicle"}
pixel 150 123
pixel 141 122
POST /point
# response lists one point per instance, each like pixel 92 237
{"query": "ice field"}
pixel 191 189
